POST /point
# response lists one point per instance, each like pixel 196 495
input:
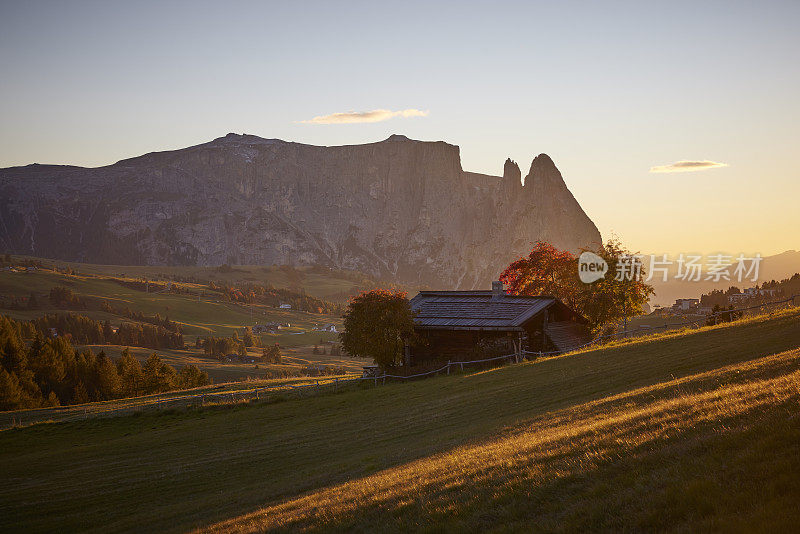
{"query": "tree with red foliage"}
pixel 545 271
pixel 550 271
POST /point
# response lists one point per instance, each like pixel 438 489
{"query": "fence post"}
pixel 462 367
pixel 448 367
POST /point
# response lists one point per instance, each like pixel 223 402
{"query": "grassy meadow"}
pixel 687 431
pixel 273 390
pixel 292 359
pixel 206 314
pixel 318 282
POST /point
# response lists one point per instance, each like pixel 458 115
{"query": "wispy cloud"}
pixel 688 166
pixel 376 115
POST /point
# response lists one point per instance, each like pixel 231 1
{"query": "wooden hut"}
pixel 469 325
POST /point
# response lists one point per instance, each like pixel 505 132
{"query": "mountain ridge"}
pixel 398 209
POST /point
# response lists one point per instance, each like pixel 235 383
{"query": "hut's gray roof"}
pixel 476 310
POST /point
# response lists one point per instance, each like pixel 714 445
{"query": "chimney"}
pixel 497 290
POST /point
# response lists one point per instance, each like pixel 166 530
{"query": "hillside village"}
pixel 765 293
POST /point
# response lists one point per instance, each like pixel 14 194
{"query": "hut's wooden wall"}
pixel 454 345
pixel 459 345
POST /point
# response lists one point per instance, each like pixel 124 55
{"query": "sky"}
pixel 620 94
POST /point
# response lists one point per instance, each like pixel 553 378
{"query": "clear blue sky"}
pixel 609 90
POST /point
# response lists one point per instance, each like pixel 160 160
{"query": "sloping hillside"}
pixel 118 294
pixel 200 311
pixel 615 438
pixel 714 451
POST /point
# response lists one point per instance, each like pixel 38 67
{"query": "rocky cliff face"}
pixel 398 209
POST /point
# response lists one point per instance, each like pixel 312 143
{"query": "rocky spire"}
pixel 511 172
pixel 543 175
pixel 512 182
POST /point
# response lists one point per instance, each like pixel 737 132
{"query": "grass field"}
pixel 293 359
pixel 212 395
pixel 693 430
pixel 331 285
pixel 204 316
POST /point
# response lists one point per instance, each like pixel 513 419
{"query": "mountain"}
pixel 399 209
pixel 780 266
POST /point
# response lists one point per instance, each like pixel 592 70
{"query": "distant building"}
pixel 267 328
pixel 753 292
pixel 738 297
pixel 285 306
pixel 236 357
pixel 685 304
pixel 371 371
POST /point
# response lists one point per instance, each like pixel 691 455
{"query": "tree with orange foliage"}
pixel 550 271
pixel 545 271
pixel 378 324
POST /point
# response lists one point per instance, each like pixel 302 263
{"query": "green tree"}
pixel 158 376
pixel 48 361
pixel 130 370
pixel 14 356
pixel 52 400
pixel 614 297
pixel 191 377
pixel 12 396
pixel 248 338
pixel 378 324
pixel 79 394
pixel 271 354
pixel 109 384
pixel 108 331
